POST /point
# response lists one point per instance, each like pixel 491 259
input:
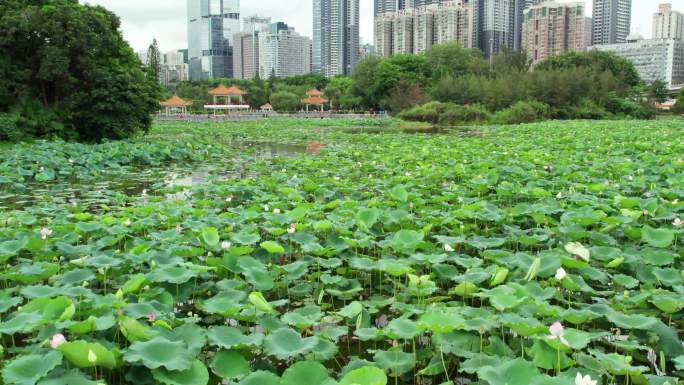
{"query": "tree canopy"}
pixel 66 71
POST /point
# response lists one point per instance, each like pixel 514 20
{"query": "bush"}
pixel 285 101
pixel 588 109
pixel 8 128
pixel 629 108
pixel 445 114
pixel 523 112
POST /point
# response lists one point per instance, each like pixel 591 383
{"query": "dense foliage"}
pixel 65 71
pixel 518 255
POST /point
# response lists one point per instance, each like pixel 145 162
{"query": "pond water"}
pixel 117 187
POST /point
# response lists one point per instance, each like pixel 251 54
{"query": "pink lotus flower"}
pixel 152 317
pixel 179 228
pixel 57 340
pixel 557 332
pixel 45 233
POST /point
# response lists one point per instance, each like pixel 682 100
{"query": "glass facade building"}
pixel 211 26
pixel 335 36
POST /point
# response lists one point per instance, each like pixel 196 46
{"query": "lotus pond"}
pixel 542 254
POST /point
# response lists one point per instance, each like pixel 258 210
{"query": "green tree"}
pixel 154 61
pixel 598 61
pixel 658 91
pixel 679 107
pixel 71 72
pixel 363 76
pixel 339 92
pixel 284 101
pixel 453 60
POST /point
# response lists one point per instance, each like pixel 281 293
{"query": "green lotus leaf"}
pixel 245 238
pixel 226 303
pixel 367 217
pixel 658 257
pixel 230 365
pixel 679 362
pixel 28 369
pixel 272 247
pixel 285 343
pixel 660 238
pixel 134 283
pixel 512 372
pixel 196 374
pixel 617 364
pixel 631 321
pixel 52 309
pixel 307 372
pixel 172 274
pixel 21 322
pixel 260 378
pixel 84 354
pixel 160 352
pixel 193 335
pixel 367 375
pixel 402 328
pixel 304 317
pixel 396 361
pixel 227 337
pixel 256 273
pixel 399 193
pixel 9 249
pixel 210 237
pixel 406 240
pixel 440 321
pixel 92 324
pixel 71 377
pixel 546 357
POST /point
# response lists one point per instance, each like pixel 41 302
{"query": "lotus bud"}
pixel 57 340
pixel 561 274
pixel 119 294
pixel 225 245
pixel 276 211
pixel 92 357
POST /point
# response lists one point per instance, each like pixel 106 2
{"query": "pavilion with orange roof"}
pixel 314 98
pixel 227 99
pixel 175 105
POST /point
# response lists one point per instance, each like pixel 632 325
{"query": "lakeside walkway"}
pixel 268 115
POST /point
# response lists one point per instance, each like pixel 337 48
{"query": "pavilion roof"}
pixel 175 101
pixel 267 106
pixel 314 92
pixel 222 90
pixel 315 100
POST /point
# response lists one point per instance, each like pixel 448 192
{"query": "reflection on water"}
pixel 174 181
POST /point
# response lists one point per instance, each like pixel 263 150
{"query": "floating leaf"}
pixel 367 375
pixel 160 352
pixel 27 370
pixel 285 343
pixel 660 238
pixel 197 374
pixel 230 365
pixel 307 372
pixel 272 247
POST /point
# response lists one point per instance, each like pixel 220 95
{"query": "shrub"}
pixel 285 101
pixel 523 112
pixel 8 128
pixel 445 114
pixel 588 109
pixel 630 108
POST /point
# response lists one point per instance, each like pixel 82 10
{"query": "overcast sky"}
pixel 143 20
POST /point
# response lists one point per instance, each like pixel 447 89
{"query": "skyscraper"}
pixel 497 24
pixel 246 46
pixel 283 52
pixel 336 36
pixel 668 24
pixel 211 25
pixel 553 28
pixel 384 6
pixel 612 21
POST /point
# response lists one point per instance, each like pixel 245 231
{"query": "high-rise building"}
pixel 668 24
pixel 174 68
pixel 612 21
pixel 283 52
pixel 335 36
pixel 211 26
pixel 246 47
pixel 654 59
pixel 553 28
pixel 497 24
pixel 415 30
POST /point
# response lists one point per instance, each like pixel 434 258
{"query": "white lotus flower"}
pixel 45 233
pixel 266 208
pixel 678 222
pixel 178 228
pixel 229 199
pixel 557 332
pixel 127 222
pixel 586 380
pixel 448 248
pixel 225 245
pixel 559 195
pixel 292 229
pixel 276 211
pixel 560 274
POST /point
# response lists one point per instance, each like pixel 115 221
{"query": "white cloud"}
pixel 143 20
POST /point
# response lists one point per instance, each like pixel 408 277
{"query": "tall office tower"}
pixel 211 25
pixel 246 47
pixel 553 28
pixel 336 36
pixel 497 25
pixel 668 24
pixel 283 52
pixel 612 21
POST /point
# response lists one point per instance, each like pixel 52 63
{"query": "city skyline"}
pixel 166 21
